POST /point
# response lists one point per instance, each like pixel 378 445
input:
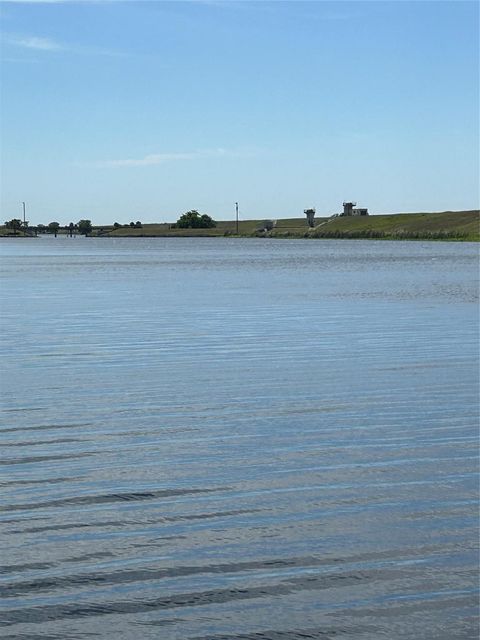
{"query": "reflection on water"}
pixel 225 439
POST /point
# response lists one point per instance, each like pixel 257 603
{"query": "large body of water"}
pixel 220 439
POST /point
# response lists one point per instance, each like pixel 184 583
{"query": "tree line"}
pixel 16 225
pixel 189 220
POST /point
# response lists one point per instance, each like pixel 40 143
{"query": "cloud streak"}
pixel 153 159
pixel 48 45
pixel 39 44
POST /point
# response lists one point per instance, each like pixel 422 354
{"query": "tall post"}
pixel 236 214
pixel 24 226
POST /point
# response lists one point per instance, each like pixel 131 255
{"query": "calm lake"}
pixel 222 439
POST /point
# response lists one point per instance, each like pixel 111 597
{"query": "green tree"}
pixel 85 227
pixel 53 227
pixel 14 224
pixel 193 220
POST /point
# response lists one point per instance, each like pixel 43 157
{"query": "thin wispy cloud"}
pixel 33 42
pixel 162 158
pixel 48 45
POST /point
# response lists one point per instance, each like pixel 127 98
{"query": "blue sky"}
pixel 119 111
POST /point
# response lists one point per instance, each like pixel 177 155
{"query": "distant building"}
pixel 350 210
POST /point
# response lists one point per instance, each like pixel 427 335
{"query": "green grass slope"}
pixel 225 228
pixel 449 225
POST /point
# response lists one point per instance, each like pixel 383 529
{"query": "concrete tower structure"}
pixel 310 213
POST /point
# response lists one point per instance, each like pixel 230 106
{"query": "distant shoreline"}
pixel 459 226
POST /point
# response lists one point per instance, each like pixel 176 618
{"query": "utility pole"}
pixel 236 212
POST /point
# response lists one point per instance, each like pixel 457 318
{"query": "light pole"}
pixel 236 213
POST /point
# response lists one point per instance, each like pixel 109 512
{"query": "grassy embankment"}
pixel 225 228
pixel 448 225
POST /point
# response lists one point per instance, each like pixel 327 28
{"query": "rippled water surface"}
pixel 238 439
